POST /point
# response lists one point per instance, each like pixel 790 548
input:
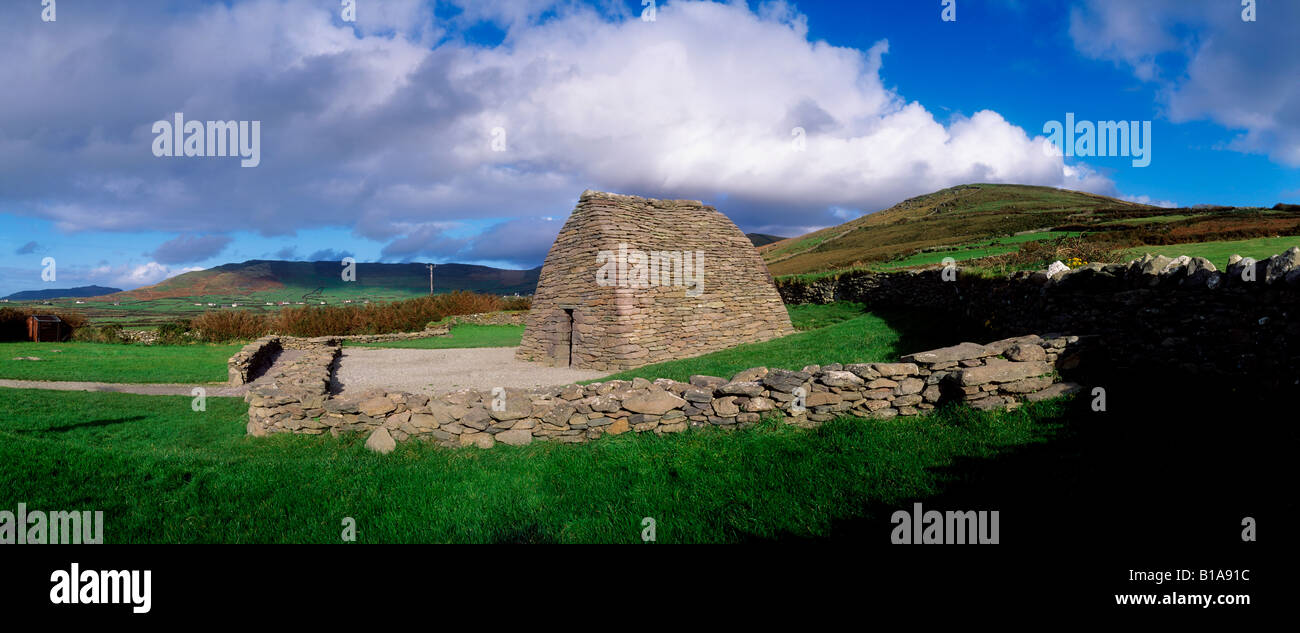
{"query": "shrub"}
pixel 111 333
pixel 465 302
pixel 176 332
pixel 221 326
pixel 1039 255
pixel 410 315
pixel 517 303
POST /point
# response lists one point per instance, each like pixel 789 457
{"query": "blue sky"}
pixel 377 135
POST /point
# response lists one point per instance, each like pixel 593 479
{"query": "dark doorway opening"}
pixel 564 351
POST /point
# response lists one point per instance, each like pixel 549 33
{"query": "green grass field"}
pixel 1219 252
pixel 850 338
pixel 109 362
pixel 161 472
pixel 1150 219
pixel 997 246
pixel 812 316
pixel 462 336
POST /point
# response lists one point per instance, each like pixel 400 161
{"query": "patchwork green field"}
pixel 163 473
pixel 114 362
pixel 1219 252
pixel 997 246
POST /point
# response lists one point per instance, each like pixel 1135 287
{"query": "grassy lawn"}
pixel 462 336
pixel 1218 252
pixel 851 337
pixel 999 246
pixel 813 316
pixel 163 473
pixel 108 362
pixel 1150 219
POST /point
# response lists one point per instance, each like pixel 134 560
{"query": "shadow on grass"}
pixel 80 425
pixel 921 330
pixel 1159 468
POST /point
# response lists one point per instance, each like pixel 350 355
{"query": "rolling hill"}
pixel 962 215
pixel 79 292
pixel 265 280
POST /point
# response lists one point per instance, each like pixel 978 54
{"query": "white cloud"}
pixel 703 101
pixel 1168 204
pixel 1208 63
pixel 128 276
pixel 379 129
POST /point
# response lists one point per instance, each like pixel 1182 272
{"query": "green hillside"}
pixel 963 218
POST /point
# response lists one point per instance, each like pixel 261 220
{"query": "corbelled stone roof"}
pixel 679 280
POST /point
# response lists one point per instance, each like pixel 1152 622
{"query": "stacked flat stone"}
pixel 297 399
pixel 251 359
pixel 623 327
pixel 490 318
pixel 997 375
pixel 1231 327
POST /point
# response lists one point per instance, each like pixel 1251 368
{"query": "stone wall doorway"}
pixel 564 344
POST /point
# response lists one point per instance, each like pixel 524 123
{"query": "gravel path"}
pixel 433 371
pixel 428 371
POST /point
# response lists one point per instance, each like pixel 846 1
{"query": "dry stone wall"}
pixel 255 357
pixel 252 360
pixel 490 318
pixel 998 375
pixel 630 317
pixel 296 400
pixel 1180 315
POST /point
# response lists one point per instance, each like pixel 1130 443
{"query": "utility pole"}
pixel 431 279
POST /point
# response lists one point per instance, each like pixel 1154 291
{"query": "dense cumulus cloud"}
pixel 390 127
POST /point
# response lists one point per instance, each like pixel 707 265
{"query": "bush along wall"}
pixel 1152 314
pixel 999 375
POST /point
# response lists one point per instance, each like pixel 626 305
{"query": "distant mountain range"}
pixel 269 280
pixel 41 295
pixel 274 281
